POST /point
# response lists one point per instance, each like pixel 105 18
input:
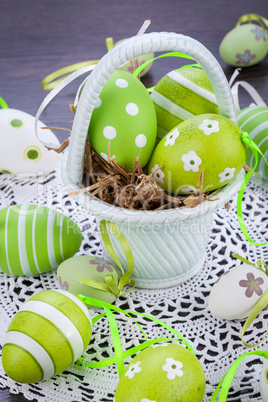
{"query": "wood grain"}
pixel 39 37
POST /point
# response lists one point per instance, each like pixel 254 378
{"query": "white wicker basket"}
pixel 169 246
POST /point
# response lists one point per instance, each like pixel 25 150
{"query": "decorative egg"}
pixel 181 94
pixel 35 239
pixel 208 142
pixel 138 61
pixel 237 291
pixel 74 273
pixel 254 120
pixel 46 336
pixel 124 115
pixel 20 151
pixel 244 45
pixel 163 372
pixel 264 382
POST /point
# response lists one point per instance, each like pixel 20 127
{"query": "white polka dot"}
pixel 132 109
pixel 109 132
pixel 104 156
pixel 121 83
pixel 140 140
pixel 98 103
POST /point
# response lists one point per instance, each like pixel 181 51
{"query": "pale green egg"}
pixel 74 275
pixel 180 95
pixel 207 142
pixel 124 115
pixel 164 372
pixel 47 335
pixel 244 45
pixel 254 120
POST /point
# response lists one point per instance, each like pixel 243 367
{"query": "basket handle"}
pixel 120 54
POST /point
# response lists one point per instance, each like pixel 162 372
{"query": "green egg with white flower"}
pixel 207 142
pixel 180 95
pixel 124 115
pixel 254 120
pixel 163 372
pixel 79 274
pixel 244 46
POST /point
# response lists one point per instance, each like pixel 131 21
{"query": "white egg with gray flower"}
pixel 21 153
pixel 237 291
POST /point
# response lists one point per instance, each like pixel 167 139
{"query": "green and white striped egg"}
pixel 35 239
pixel 254 120
pixel 181 94
pixel 48 334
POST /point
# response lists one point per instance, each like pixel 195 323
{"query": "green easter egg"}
pixel 163 372
pixel 71 272
pixel 206 142
pixel 137 61
pixel 244 45
pixel 254 120
pixel 48 334
pixel 180 95
pixel 35 239
pixel 124 115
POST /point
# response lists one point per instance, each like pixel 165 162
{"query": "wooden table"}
pixel 39 37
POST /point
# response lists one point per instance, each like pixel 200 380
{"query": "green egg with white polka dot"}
pixel 124 115
pixel 207 142
pixel 180 95
pixel 164 372
pixel 48 334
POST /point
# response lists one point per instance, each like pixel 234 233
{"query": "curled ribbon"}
pixel 119 356
pixel 255 149
pixel 224 385
pixel 252 18
pixel 110 284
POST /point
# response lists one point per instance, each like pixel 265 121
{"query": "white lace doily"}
pixel 217 342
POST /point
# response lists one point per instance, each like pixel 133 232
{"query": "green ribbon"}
pixel 224 385
pixel 119 356
pixel 3 103
pixel 110 284
pixel 171 54
pixel 251 18
pixel 255 149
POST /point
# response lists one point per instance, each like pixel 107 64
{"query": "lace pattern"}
pixel 185 307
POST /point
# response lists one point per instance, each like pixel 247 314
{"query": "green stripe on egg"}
pixel 50 332
pixel 254 120
pixel 35 239
pixel 180 95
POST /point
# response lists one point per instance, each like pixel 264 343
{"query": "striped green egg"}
pixel 35 239
pixel 254 120
pixel 181 94
pixel 46 336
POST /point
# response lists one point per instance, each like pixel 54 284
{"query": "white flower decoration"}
pixel 171 137
pixel 146 400
pixel 190 190
pixel 191 161
pixel 159 175
pixel 173 368
pixel 227 174
pixel 133 369
pixel 209 126
pixel 160 344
